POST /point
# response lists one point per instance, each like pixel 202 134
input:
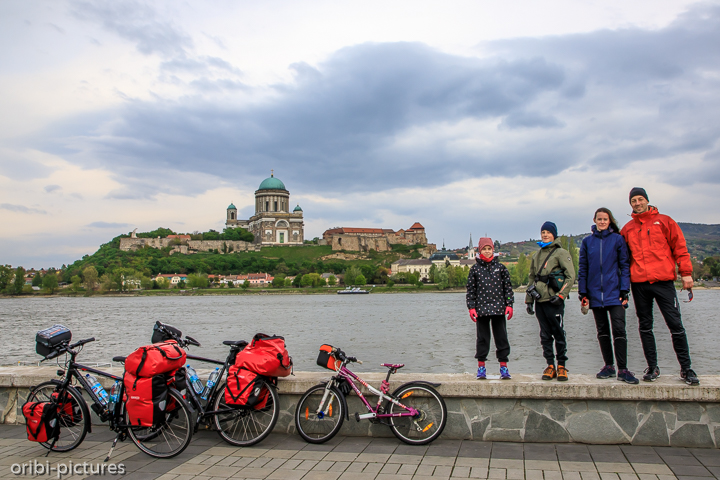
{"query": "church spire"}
pixel 470 245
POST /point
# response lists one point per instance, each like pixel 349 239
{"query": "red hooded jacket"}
pixel 656 245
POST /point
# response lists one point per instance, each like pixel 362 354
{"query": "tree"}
pixel 360 280
pixel 278 280
pixel 37 280
pixel 311 280
pixel 6 275
pixel 297 280
pixel 332 280
pixel 181 284
pixel 441 277
pixel 19 281
pixel 50 282
pixel 196 280
pixel 90 275
pixel 519 274
pixel 163 283
pixel 106 282
pixel 245 285
pixel 569 244
pixel 76 282
pixel 350 275
pixel 431 273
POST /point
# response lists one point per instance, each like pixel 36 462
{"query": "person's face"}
pixel 487 251
pixel 546 236
pixel 602 221
pixel 639 204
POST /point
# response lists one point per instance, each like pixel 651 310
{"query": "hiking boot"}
pixel 481 373
pixel 651 374
pixel 606 372
pixel 627 376
pixel 549 373
pixel 690 377
pixel 562 373
pixel 504 373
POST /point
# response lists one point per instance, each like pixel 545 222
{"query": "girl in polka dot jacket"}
pixel 489 299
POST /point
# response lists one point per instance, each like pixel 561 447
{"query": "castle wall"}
pixel 187 247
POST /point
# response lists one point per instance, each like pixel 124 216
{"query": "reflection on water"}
pixel 429 332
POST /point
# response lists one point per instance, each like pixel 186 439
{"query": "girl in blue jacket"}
pixel 603 285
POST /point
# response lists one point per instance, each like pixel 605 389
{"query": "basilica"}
pixel 273 222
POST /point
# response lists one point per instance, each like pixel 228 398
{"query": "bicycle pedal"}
pixel 357 416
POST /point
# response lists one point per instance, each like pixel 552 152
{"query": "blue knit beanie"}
pixel 550 227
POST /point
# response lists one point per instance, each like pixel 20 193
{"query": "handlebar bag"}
pixel 243 389
pixel 155 359
pixel 41 421
pixel 69 412
pixel 326 359
pixel 165 334
pixel 266 355
pixel 46 340
pixel 145 399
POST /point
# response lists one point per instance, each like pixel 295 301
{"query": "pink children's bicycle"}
pixel 415 411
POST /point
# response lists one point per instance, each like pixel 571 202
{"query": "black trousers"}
pixel 617 319
pixel 499 331
pixel 551 320
pixel 666 297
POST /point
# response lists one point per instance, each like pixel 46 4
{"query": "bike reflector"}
pixel 326 359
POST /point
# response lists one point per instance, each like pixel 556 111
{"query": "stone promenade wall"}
pixel 524 409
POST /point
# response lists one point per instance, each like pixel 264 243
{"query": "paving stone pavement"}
pixel 288 457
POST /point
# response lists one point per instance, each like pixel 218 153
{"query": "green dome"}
pixel 232 207
pixel 272 183
pixel 297 209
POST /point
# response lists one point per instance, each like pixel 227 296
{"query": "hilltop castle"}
pixel 273 222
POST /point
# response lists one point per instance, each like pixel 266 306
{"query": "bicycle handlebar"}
pixel 183 343
pixel 341 356
pixel 67 348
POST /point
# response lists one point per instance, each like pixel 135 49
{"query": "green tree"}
pixel 90 275
pixel 163 283
pixel 106 282
pixel 147 283
pixel 307 280
pixel 19 281
pixel 569 244
pixel 442 277
pixel 279 280
pixel 519 274
pixel 245 285
pixel 360 280
pixel 297 281
pixel 350 275
pixel 181 284
pixel 37 280
pixel 50 282
pixel 431 273
pixel 197 280
pixel 76 283
pixel 332 280
pixel 6 275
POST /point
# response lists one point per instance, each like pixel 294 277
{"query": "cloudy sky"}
pixel 468 116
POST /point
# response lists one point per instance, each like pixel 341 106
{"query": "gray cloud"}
pixel 381 115
pixel 21 209
pixel 52 188
pixel 107 225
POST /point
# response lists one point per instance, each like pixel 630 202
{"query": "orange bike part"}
pixel 407 394
pixel 428 427
pixel 330 410
pixel 307 413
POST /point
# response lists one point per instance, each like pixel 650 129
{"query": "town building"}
pixel 273 223
pixel 422 266
pixel 378 239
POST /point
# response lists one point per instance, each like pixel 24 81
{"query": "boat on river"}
pixel 350 290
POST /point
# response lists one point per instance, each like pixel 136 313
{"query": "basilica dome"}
pixel 272 183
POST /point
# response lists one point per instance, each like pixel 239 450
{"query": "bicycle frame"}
pixel 382 394
pixel 194 397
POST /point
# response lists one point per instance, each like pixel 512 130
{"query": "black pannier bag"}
pixel 163 336
pixel 47 340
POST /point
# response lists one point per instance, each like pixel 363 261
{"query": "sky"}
pixel 470 117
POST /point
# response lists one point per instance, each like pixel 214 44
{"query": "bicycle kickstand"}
pixel 112 447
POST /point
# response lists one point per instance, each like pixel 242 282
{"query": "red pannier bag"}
pixel 326 359
pixel 155 359
pixel 69 411
pixel 146 399
pixel 265 355
pixel 243 389
pixel 41 421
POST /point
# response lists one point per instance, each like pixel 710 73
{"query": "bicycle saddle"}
pixel 234 343
pixel 396 366
pixel 119 359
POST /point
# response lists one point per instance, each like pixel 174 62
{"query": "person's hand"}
pixel 624 295
pixel 687 282
pixel 508 312
pixel 585 302
pixel 557 300
pixel 582 296
pixel 529 309
pixel 473 314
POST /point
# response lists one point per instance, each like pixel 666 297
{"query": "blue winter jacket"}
pixel 604 268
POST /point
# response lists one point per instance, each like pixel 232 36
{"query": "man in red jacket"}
pixel 656 246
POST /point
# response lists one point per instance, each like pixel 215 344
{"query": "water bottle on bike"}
pixel 194 379
pixel 212 380
pixel 114 395
pixel 97 389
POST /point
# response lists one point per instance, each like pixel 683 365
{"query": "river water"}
pixel 429 332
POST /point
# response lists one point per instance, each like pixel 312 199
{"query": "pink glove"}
pixel 508 312
pixel 473 314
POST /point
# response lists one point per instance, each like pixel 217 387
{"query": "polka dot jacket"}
pixel 489 289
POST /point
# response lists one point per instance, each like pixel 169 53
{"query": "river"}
pixel 429 332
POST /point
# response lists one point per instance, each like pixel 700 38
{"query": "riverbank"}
pixel 525 409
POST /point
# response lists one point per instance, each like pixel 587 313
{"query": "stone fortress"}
pixel 273 222
pixel 378 239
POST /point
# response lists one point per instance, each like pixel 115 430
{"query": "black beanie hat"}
pixel 638 191
pixel 550 227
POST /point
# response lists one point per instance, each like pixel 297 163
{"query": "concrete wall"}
pixel 524 409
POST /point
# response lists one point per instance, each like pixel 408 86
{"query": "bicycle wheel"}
pixel 244 426
pixel 72 414
pixel 172 436
pixel 319 427
pixel 429 424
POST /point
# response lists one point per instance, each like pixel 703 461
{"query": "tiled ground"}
pixel 286 457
